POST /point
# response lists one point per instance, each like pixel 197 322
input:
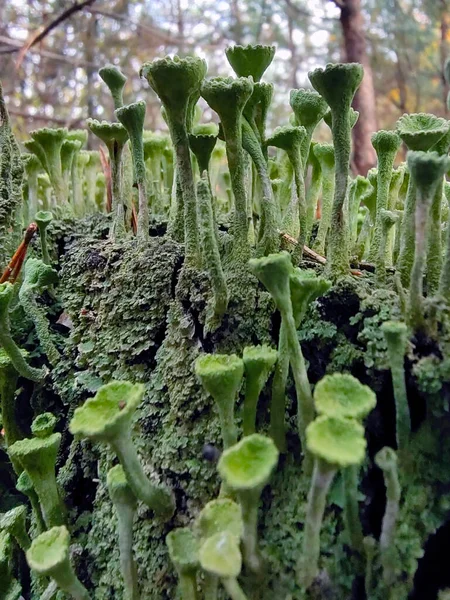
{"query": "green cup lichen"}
pixel 220 556
pixel 14 523
pixel 246 469
pixel 250 60
pixel 107 418
pixel 336 443
pixel 6 341
pixel 338 83
pixel 125 504
pixel 43 425
pixel 48 555
pixel 25 486
pixel 386 460
pixel 38 457
pixel 221 376
pixel 258 363
pixel 132 118
pixel 183 551
pixel 37 277
pixel 43 218
pixel 115 80
pixel 396 336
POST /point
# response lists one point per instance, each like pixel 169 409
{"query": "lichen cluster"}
pixel 224 365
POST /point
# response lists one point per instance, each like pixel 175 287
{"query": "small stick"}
pixel 311 254
pixel 15 264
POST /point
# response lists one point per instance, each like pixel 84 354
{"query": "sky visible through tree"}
pixel 55 82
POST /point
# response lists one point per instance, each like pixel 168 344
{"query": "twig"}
pixel 39 35
pixel 25 115
pixel 12 46
pixel 311 254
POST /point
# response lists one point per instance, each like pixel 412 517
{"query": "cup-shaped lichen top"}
pixel 175 79
pixel 43 425
pixel 309 107
pixel 78 135
pixel 38 275
pixel 420 131
pixel 258 362
pixel 219 515
pixel 37 455
pixel 386 459
pixel 250 60
pixel 69 150
pixel 305 288
pixel 342 395
pixel 337 83
pixel 108 132
pixel 183 550
pixel 339 442
pixel 31 164
pixel 14 523
pixel 49 551
pixel 386 142
pixel 227 97
pixel 273 271
pixel 202 146
pixel 248 464
pixel 43 219
pixel 288 138
pixel 258 104
pixel 427 169
pixel 109 412
pixel 325 155
pixel 221 556
pixel 115 80
pixel 118 487
pixel 50 141
pixel 221 375
pixel 396 334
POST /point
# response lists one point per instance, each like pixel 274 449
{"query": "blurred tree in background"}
pixel 49 70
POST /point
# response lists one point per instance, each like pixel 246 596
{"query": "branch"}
pixel 340 4
pixel 162 35
pixel 43 118
pixel 300 12
pixel 39 35
pixel 12 46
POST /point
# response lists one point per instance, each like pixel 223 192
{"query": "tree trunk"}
pixel 364 156
pixel 444 51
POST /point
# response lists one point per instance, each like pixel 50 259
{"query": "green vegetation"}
pixel 225 367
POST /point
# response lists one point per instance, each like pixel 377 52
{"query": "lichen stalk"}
pixel 324 153
pixel 427 171
pixel 132 118
pixel 395 334
pixel 322 478
pixel 353 526
pixel 269 240
pixel 313 192
pixel 7 342
pixel 386 459
pixel 338 85
pixel 386 144
pixel 38 458
pixel 211 254
pixel 277 426
pixel 125 504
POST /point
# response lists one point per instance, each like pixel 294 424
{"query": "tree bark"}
pixel 352 23
pixel 443 51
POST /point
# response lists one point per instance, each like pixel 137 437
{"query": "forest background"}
pixel 51 50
